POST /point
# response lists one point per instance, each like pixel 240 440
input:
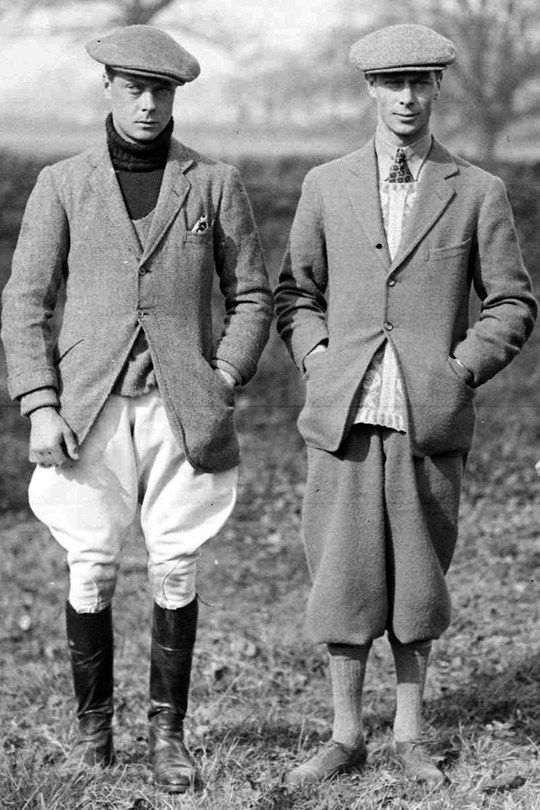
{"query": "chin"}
pixel 146 134
pixel 405 131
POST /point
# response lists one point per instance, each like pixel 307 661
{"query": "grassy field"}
pixel 260 700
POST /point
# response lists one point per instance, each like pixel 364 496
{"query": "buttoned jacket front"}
pixel 339 285
pixel 76 231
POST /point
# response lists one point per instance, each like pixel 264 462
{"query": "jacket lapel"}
pixel 433 197
pixel 173 192
pixel 363 188
pixel 104 182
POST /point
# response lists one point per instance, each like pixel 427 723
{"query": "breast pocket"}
pixel 202 239
pixel 449 251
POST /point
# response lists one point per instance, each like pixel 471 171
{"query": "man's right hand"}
pixel 320 347
pixel 52 442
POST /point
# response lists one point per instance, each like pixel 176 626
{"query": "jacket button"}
pixel 388 326
pixel 142 313
pixel 379 246
pixel 392 282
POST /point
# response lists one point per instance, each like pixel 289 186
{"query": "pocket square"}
pixel 201 225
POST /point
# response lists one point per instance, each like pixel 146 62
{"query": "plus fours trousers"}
pixel 380 529
pixel 131 457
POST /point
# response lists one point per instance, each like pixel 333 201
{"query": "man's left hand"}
pixel 226 377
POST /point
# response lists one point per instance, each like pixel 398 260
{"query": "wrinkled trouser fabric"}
pixel 131 457
pixel 379 528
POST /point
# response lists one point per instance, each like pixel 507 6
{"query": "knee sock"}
pixel 411 662
pixel 347 672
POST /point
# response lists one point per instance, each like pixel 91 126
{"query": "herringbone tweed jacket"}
pixel 338 284
pixel 76 231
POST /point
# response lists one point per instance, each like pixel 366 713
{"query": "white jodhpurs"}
pixel 131 457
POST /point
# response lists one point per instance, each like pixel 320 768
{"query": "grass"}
pixel 260 699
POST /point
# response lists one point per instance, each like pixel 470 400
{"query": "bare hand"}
pixel 52 442
pixel 226 377
pixel 320 347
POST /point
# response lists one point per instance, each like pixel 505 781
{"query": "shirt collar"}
pixel 416 153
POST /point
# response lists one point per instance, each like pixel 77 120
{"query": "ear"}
pixel 438 80
pixel 372 85
pixel 106 85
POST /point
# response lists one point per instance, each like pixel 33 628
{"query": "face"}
pixel 141 106
pixel 404 102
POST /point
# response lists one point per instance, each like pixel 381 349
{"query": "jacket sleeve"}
pixel 508 307
pixel 243 282
pixel 30 296
pixel 300 299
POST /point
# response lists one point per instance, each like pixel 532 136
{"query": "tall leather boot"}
pixel 90 639
pixel 173 639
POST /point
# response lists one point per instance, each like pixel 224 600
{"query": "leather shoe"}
pixel 416 764
pixel 332 758
pixel 173 765
pixel 94 745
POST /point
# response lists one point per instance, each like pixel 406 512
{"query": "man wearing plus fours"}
pixel 132 403
pixel 373 304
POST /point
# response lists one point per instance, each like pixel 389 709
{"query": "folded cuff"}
pixel 40 398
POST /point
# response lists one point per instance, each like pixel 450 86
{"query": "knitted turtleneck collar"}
pixel 138 157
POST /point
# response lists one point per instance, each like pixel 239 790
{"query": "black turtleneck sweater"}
pixel 139 168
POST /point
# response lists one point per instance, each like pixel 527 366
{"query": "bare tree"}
pixel 124 12
pixel 492 84
pixel 138 12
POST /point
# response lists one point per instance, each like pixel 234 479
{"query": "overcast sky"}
pixel 45 68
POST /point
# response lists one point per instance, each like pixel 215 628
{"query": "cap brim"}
pixel 404 69
pixel 151 74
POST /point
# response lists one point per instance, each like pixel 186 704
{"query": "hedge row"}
pixel 274 186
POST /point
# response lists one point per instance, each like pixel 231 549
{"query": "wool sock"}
pixel 411 662
pixel 347 672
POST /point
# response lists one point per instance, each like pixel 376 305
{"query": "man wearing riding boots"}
pixel 373 304
pixel 132 401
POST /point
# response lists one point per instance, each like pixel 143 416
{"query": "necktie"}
pixel 399 170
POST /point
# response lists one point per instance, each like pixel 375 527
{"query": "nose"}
pixel 406 96
pixel 147 101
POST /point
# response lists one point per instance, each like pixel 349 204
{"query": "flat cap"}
pixel 147 51
pixel 402 48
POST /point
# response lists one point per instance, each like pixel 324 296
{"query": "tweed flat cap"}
pixel 402 47
pixel 147 51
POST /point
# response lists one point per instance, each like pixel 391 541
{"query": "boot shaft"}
pixel 91 646
pixel 173 638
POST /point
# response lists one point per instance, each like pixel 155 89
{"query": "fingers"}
pixel 226 377
pixel 48 457
pixel 52 442
pixel 70 444
pixel 42 457
pixel 62 451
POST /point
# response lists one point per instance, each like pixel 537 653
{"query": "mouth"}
pixel 407 116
